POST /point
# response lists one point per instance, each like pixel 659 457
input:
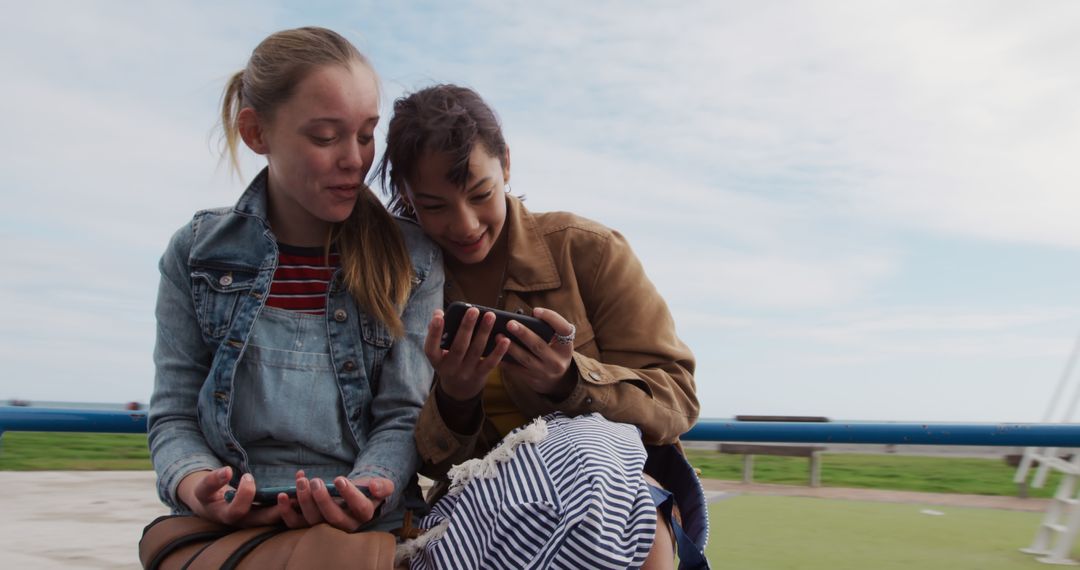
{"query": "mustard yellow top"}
pixel 498 407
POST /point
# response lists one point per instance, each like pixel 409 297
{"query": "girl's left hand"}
pixel 545 366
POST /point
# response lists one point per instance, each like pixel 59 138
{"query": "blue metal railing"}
pixel 61 419
pixel 907 433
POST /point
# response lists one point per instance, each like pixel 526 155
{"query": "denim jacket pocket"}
pixel 217 293
pixel 374 332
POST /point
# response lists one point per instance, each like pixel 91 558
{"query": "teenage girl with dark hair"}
pixel 614 386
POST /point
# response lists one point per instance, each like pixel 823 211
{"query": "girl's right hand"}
pixel 462 370
pixel 204 493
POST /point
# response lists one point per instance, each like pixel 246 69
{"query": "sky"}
pixel 859 210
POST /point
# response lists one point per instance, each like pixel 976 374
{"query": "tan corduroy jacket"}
pixel 631 366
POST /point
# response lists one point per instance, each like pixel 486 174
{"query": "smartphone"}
pixel 456 311
pixel 266 496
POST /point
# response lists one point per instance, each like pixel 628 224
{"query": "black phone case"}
pixel 456 310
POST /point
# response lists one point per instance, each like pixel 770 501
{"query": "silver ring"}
pixel 566 338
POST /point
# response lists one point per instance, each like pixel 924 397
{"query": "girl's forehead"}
pixel 338 92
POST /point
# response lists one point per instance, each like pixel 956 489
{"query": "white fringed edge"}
pixel 461 475
pixel 488 467
pixel 409 548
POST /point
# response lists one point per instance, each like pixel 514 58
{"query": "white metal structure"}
pixel 1061 523
pixel 1058 529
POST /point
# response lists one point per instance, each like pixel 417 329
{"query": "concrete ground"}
pixel 93 519
pixel 75 519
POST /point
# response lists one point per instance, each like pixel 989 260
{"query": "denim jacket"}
pixel 215 278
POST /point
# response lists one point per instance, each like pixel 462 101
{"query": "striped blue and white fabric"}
pixel 559 493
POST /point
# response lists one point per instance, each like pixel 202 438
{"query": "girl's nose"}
pixel 466 223
pixel 352 157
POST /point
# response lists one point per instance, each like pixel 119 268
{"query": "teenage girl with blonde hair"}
pixel 290 327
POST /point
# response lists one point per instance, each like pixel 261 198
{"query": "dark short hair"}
pixel 442 118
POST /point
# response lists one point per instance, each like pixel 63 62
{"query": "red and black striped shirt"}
pixel 302 279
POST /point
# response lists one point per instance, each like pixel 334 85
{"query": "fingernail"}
pixel 374 486
pixel 247 477
pixel 302 485
pixel 316 484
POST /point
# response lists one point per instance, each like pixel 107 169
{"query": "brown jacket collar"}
pixel 531 266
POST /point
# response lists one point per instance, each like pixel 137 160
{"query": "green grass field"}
pixel 23 451
pixel 31 451
pixel 781 533
pixel 877 471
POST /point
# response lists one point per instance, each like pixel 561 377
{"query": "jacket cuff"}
pixel 590 393
pixel 380 472
pixel 169 482
pixel 466 416
pixel 440 442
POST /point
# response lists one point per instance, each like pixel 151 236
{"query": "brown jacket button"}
pixel 340 315
pixel 349 366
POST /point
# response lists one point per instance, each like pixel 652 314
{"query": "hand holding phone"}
pixel 267 496
pixel 456 311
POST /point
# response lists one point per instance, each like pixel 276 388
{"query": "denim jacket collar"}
pixel 254 202
pixel 243 242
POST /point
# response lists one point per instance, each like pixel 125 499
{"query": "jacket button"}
pixel 594 376
pixel 588 400
pixel 340 315
pixel 231 446
pixel 226 280
pixel 221 396
pixel 349 366
pixel 442 444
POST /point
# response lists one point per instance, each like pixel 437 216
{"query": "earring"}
pixel 507 188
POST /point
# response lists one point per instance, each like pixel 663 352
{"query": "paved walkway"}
pixel 93 519
pixel 75 519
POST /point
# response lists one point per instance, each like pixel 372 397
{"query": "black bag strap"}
pixel 169 533
pixel 229 550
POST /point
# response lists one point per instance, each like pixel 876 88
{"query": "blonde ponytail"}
pixel 231 103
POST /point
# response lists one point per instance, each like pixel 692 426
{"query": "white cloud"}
pixel 701 244
pixel 107 152
pixel 952 117
pixel 1036 331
